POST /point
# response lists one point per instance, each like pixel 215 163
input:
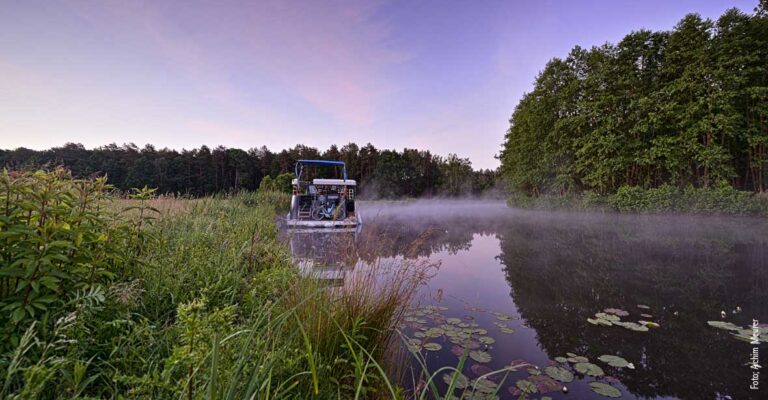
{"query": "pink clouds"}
pixel 331 56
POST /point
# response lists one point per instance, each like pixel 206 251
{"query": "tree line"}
pixel 686 108
pixel 203 171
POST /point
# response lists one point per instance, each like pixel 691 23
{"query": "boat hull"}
pixel 351 222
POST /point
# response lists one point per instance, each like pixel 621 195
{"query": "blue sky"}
pixel 437 75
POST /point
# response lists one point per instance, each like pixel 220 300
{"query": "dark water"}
pixel 550 272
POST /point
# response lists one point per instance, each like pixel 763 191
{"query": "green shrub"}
pixel 720 199
pixel 57 247
pixel 282 183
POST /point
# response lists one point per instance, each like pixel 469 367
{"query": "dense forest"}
pixel 687 108
pixel 379 173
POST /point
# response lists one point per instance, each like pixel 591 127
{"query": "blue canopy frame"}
pixel 299 167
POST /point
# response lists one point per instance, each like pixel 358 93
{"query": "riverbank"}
pixel 174 298
pixel 666 199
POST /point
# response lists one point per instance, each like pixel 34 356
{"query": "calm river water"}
pixel 518 287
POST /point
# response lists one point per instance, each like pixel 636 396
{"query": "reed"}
pixel 198 299
pixel 365 311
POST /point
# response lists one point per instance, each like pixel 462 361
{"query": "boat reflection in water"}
pixel 553 271
pixel 326 254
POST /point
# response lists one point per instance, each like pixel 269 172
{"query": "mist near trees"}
pixel 686 108
pixel 203 171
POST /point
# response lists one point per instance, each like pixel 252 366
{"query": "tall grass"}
pixel 362 314
pixel 199 299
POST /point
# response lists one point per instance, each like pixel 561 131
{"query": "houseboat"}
pixel 322 203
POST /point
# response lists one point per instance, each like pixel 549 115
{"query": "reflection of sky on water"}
pixel 555 270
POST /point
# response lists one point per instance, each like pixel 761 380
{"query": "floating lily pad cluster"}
pixel 747 334
pixel 480 388
pixel 612 316
pixel 562 369
pixel 430 326
pixel 468 339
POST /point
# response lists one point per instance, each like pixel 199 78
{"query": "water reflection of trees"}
pixel 388 238
pixel 563 268
pixel 562 272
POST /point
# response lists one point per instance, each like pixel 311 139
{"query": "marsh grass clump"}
pixel 352 326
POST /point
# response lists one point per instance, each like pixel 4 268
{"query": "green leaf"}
pixel 723 325
pixel 480 356
pixel 461 381
pixel 559 373
pixel 431 346
pixel 483 385
pixel 614 361
pixel 486 340
pixel 526 386
pixel 605 389
pixel 590 369
pixel 17 315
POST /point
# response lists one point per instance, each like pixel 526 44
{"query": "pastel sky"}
pixel 439 75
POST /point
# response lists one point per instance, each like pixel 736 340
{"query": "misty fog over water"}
pixel 551 271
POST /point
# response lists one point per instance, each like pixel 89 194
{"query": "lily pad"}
pixel 559 373
pixel 617 311
pixel 526 386
pixel 533 371
pixel 561 360
pixel 453 321
pixel 480 369
pixel 484 385
pixel 605 322
pixel 457 350
pixel 506 330
pixel 545 384
pixel 472 345
pixel 608 317
pixel 724 325
pixel 646 315
pixel 502 316
pixel 418 334
pixel 486 340
pixel 605 389
pixel 461 381
pixel 649 324
pixel 434 332
pixel 577 359
pixel 635 327
pixel 643 306
pixel 590 369
pixel 433 346
pixel 480 356
pixel 614 361
pixel 413 345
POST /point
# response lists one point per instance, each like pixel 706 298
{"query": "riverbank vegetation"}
pixel 204 171
pixel 106 297
pixel 665 199
pixel 662 121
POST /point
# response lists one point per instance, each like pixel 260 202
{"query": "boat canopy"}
pixel 299 168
